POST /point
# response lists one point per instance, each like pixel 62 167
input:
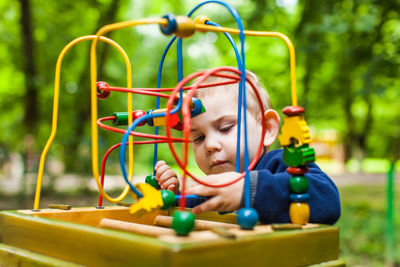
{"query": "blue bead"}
pixel 198 107
pixel 170 28
pixel 299 197
pixel 150 119
pixel 247 218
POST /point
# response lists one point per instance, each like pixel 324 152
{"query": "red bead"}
pixel 101 93
pixel 297 171
pixel 138 113
pixel 293 111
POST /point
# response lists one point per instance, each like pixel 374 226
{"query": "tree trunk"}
pixel 83 111
pixel 30 119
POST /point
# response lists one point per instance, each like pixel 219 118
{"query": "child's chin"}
pixel 222 168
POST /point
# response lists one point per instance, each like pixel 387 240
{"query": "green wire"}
pixel 390 243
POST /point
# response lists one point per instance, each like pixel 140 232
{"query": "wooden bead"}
pixel 298 184
pixel 120 118
pixel 298 156
pixel 101 93
pixel 138 113
pixel 170 28
pixel 293 111
pixel 202 19
pixel 168 199
pixel 183 222
pixel 299 197
pixel 299 213
pixel 297 170
pixel 247 218
pixel 185 26
pixel 151 180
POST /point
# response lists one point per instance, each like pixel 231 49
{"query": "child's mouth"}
pixel 218 163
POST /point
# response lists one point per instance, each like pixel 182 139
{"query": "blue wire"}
pixel 177 197
pixel 158 98
pixel 179 61
pixel 241 103
pixel 124 140
pixel 239 62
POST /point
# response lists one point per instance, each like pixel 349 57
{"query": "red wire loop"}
pixel 187 118
pixel 104 88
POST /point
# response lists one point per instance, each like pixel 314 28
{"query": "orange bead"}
pixel 299 213
pixel 202 19
pixel 185 26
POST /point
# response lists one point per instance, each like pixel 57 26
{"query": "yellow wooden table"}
pixel 73 237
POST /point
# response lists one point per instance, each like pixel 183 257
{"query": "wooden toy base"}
pixel 73 237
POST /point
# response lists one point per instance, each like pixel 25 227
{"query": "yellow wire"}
pixel 93 91
pixel 286 39
pixel 93 97
pixel 55 111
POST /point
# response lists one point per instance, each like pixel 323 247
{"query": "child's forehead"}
pixel 219 101
pixel 219 92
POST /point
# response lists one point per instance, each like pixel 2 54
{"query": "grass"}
pixel 363 225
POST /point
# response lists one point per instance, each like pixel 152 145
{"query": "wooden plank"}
pixel 81 244
pixel 100 247
pixel 80 215
pixel 283 248
pixel 137 228
pixel 166 221
pixel 16 257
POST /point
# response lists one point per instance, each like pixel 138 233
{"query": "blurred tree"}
pixel 342 37
pixel 347 67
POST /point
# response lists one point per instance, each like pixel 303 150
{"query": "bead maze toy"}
pixel 116 235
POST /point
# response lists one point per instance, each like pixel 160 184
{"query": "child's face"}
pixel 214 135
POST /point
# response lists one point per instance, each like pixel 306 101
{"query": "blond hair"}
pixel 252 102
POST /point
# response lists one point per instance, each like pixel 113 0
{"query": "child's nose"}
pixel 213 145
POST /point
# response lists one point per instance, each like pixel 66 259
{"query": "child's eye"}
pixel 198 139
pixel 226 128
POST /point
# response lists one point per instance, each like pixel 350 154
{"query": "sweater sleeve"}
pixel 271 198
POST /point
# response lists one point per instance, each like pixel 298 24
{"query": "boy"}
pixel 213 136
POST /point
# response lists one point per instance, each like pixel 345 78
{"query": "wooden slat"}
pixel 166 221
pixel 15 257
pixel 137 228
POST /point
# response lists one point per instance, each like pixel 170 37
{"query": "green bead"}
pixel 183 222
pixel 168 199
pixel 151 180
pixel 121 118
pixel 298 156
pixel 298 184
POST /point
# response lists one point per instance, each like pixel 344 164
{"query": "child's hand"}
pixel 226 198
pixel 166 178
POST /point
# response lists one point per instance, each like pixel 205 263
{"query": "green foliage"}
pixel 363 224
pixel 347 67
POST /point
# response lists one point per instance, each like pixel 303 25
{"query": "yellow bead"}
pixel 294 127
pixel 201 20
pixel 185 26
pixel 150 201
pixel 299 212
pixel 161 121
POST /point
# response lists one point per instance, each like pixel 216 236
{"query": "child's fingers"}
pixel 158 164
pixel 166 175
pixel 202 190
pixel 213 204
pixel 173 188
pixel 161 170
pixel 172 181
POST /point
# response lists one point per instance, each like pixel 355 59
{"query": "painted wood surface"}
pixel 16 257
pixel 74 236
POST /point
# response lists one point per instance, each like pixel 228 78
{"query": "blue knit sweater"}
pixel 269 183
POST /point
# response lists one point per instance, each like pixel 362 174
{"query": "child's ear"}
pixel 272 124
